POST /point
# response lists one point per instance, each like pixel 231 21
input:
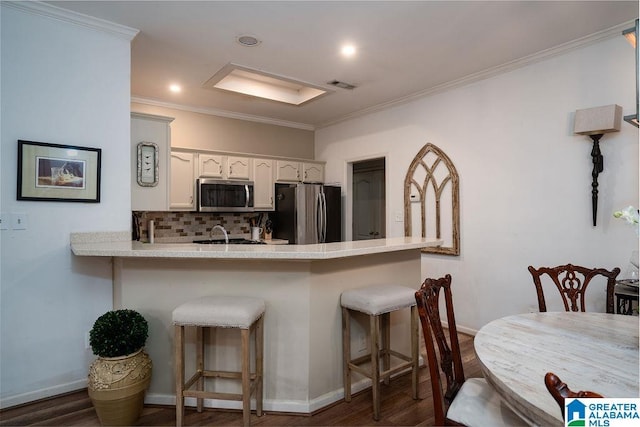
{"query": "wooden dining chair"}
pixel 560 391
pixel 471 402
pixel 572 281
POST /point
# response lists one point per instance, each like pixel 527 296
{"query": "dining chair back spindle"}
pixel 471 402
pixel 560 391
pixel 572 282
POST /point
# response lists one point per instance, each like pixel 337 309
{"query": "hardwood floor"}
pixel 397 408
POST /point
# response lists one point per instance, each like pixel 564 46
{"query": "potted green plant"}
pixel 120 376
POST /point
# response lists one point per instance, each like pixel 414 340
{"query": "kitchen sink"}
pixel 234 241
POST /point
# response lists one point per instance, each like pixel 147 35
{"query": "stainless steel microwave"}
pixel 216 195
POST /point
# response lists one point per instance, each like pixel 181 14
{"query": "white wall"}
pixel 201 131
pixel 66 84
pixel 525 179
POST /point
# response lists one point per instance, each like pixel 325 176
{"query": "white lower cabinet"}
pixel 263 184
pixel 183 181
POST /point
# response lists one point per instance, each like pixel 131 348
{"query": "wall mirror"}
pixel 147 164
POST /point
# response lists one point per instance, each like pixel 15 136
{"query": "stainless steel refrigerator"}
pixel 308 213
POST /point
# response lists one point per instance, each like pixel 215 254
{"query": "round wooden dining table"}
pixel 588 351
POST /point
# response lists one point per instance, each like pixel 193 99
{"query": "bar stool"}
pixel 378 302
pixel 243 313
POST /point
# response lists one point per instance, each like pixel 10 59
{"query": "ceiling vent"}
pixel 341 85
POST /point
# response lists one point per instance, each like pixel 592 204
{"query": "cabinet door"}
pixel 238 167
pixel 287 171
pixel 182 181
pixel 263 185
pixel 368 205
pixel 312 172
pixel 210 165
pixel 156 129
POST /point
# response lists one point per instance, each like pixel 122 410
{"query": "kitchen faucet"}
pixel 226 236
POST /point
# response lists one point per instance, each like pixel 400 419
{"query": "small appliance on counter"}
pixel 308 213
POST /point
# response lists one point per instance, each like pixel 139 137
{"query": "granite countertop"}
pixel 119 244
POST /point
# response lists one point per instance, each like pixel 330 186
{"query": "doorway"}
pixel 368 199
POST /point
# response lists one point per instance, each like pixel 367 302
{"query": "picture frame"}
pixel 57 172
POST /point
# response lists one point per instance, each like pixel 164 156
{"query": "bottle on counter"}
pixel 151 231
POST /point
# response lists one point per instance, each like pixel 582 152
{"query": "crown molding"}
pixel 223 113
pixel 491 72
pixel 65 15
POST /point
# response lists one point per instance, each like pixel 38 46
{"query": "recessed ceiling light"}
pixel 247 81
pixel 175 88
pixel 248 40
pixel 348 50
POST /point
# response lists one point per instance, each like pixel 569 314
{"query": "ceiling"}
pixel 404 49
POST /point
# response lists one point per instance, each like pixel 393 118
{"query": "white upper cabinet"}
pixel 182 181
pixel 287 171
pixel 210 165
pixel 155 129
pixel 312 172
pixel 263 184
pixel 223 167
pixel 238 167
pixel 292 171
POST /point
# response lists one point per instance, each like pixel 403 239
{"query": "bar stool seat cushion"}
pixel 219 312
pixel 378 299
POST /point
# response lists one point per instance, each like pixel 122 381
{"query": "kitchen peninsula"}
pixel 301 286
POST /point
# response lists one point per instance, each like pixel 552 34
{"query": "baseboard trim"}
pixel 285 406
pixel 44 393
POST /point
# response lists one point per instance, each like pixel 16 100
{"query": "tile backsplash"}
pixel 182 225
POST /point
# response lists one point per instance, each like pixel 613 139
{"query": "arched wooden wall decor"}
pixel 432 184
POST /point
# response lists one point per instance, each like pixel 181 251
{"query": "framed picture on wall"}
pixel 55 172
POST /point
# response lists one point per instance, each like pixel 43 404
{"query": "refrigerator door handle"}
pixel 319 217
pixel 323 228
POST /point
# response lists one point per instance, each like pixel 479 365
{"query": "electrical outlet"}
pixel 399 216
pixel 4 221
pixel 19 221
